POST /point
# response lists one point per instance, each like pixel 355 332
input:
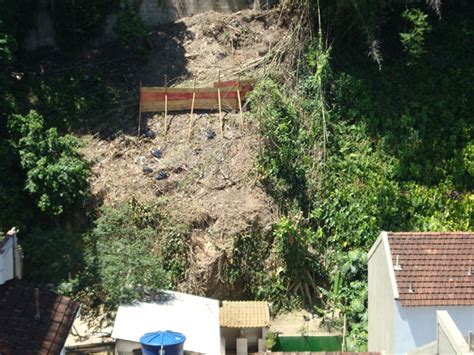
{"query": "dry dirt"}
pixel 210 184
pixel 201 46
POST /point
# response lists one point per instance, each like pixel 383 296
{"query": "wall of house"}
pixel 124 347
pixel 416 326
pixel 381 300
pixel 7 268
pixel 251 334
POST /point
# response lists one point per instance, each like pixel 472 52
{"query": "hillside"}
pixel 211 184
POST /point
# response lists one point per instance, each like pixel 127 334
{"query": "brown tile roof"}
pixel 437 265
pixel 20 333
pixel 244 314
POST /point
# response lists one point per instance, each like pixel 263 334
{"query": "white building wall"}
pixel 381 296
pixel 7 268
pixel 416 326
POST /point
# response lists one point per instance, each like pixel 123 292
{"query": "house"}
pixel 244 325
pixel 449 340
pixel 411 277
pixel 195 317
pixel 11 257
pixel 34 320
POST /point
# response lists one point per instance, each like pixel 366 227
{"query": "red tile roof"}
pixel 20 333
pixel 438 266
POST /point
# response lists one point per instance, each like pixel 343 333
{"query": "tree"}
pixel 56 172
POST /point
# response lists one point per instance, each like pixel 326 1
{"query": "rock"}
pixel 150 134
pixel 156 153
pixel 147 170
pixel 161 175
pixel 210 134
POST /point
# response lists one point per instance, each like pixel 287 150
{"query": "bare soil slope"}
pixel 209 182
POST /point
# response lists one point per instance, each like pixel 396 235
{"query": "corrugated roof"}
pixel 436 269
pixel 244 314
pixel 20 332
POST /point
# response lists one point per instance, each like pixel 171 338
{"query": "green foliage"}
pixel 131 254
pixel 122 259
pixel 439 208
pixel 56 173
pixel 413 40
pixel 270 340
pixel 358 196
pixel 130 28
pixel 283 166
pixel 52 256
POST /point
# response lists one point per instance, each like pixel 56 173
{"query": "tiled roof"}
pixel 439 267
pixel 244 314
pixel 20 332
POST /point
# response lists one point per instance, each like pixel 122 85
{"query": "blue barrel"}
pixel 170 342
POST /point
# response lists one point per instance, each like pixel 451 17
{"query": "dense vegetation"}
pixel 356 146
pixel 355 149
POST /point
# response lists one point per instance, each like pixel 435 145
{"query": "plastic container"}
pixel 162 343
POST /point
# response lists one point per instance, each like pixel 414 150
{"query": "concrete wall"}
pixel 152 12
pixel 251 334
pixel 156 12
pixel 416 326
pixel 7 268
pixel 381 299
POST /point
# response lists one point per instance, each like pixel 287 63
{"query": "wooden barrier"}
pixel 155 99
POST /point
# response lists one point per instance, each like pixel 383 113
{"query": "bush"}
pixel 56 173
pixel 131 254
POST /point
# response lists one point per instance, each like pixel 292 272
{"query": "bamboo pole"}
pixel 166 104
pixel 191 119
pixel 139 110
pixel 240 105
pixel 221 120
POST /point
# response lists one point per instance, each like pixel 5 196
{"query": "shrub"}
pixel 56 172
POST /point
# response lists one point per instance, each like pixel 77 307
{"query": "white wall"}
pixel 381 296
pixel 416 326
pixel 7 261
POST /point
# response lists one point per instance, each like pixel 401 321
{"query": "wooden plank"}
pixel 158 94
pixel 185 105
pixel 155 99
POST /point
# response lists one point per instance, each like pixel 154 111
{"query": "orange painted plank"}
pixel 152 99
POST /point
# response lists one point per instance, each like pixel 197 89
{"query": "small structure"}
pixel 11 257
pixel 197 318
pixel 411 277
pixel 244 325
pixel 34 320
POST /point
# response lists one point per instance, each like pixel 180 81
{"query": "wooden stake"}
pixel 221 120
pixel 240 105
pixel 220 112
pixel 166 104
pixel 139 110
pixel 191 119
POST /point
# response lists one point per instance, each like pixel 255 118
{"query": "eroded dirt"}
pixel 209 182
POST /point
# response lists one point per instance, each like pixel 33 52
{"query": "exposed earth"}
pixel 209 182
